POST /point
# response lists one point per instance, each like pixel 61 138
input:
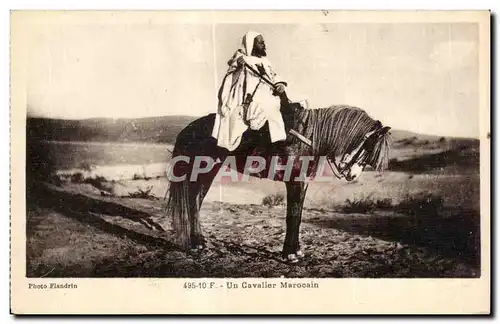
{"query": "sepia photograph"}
pixel 273 153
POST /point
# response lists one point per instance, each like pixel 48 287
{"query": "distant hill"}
pixel 151 129
pixel 417 153
pixel 165 129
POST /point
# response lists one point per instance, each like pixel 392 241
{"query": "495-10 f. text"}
pixel 249 285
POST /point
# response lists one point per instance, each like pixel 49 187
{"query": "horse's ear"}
pixel 378 124
pixel 384 131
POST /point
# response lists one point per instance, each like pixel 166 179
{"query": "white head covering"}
pixel 247 42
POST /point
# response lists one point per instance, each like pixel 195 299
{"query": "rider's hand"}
pixel 280 89
pixel 241 61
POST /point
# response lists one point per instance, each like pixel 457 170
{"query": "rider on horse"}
pixel 250 95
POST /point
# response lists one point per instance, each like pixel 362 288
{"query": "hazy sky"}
pixel 419 77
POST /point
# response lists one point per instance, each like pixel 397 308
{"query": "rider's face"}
pixel 259 46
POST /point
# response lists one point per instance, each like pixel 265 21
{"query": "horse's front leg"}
pixel 296 192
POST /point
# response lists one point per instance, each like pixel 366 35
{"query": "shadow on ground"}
pixel 81 207
pixel 456 235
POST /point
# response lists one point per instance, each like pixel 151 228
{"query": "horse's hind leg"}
pixel 197 194
pixel 184 204
pixel 197 241
pixel 296 192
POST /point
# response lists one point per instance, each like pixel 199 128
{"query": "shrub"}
pixel 426 203
pixel 423 203
pixel 96 182
pixel 77 177
pixel 366 204
pixel 359 205
pixel 274 200
pixel 143 194
pixel 385 203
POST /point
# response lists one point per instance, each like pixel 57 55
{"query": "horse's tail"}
pixel 184 200
pixel 179 206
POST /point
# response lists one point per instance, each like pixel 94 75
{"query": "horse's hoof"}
pixel 292 258
pixel 300 254
pixel 197 248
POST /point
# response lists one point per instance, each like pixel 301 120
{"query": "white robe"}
pixel 239 81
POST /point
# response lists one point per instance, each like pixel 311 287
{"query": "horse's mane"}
pixel 336 130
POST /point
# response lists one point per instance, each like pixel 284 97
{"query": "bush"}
pixel 96 182
pixel 77 177
pixel 366 204
pixel 274 200
pixel 385 203
pixel 422 203
pixel 359 205
pixel 426 203
pixel 143 194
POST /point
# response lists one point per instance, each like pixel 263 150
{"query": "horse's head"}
pixel 372 151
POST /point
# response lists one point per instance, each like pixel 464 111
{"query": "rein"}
pixel 339 174
pixel 261 77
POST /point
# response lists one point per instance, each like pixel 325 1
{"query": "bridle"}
pixel 348 160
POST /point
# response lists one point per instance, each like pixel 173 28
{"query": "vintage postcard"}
pixel 238 162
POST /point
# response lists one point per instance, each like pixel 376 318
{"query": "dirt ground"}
pixel 72 233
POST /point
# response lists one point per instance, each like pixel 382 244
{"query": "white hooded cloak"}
pixel 239 81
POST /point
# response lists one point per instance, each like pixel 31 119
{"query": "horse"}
pixel 336 132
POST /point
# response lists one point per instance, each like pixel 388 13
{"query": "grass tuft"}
pixel 274 200
pixel 421 203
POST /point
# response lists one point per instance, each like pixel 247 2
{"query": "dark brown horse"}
pixel 346 137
